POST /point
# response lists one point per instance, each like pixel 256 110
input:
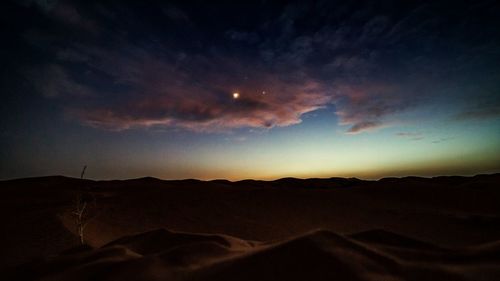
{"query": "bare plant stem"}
pixel 80 210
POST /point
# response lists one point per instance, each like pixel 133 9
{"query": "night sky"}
pixel 259 90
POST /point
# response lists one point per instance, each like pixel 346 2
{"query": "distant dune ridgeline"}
pixel 448 212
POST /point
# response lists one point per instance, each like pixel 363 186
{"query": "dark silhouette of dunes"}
pixel 317 255
pixel 297 183
pixel 442 228
pixel 150 242
pixel 386 238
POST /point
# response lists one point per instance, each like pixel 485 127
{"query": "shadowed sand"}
pixel 317 255
pixel 445 228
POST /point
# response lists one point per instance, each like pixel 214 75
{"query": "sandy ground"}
pixel 445 228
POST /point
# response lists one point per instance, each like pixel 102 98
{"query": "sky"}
pixel 258 89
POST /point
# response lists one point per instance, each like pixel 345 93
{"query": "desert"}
pixel 442 228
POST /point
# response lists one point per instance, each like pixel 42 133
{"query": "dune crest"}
pixel 317 255
pixel 443 228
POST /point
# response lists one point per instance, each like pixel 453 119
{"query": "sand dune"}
pixel 317 255
pixel 443 228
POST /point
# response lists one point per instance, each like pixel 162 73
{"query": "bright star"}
pixel 236 95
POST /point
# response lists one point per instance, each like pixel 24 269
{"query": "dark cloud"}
pixel 414 136
pixel 176 14
pixel 363 126
pixel 408 134
pixel 479 113
pixel 52 81
pixel 365 107
pixel 441 140
pixel 132 64
pixel 249 37
pixel 45 5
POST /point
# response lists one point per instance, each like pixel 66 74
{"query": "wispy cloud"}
pixel 414 136
pixel 363 126
pixel 53 81
pixel 443 140
pixel 365 107
pixel 195 93
pixel 479 113
pixel 371 65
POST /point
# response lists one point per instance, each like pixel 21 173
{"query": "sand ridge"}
pixel 444 228
pixel 317 255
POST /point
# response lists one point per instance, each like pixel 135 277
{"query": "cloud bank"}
pixel 114 69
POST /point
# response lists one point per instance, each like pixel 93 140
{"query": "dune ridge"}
pixel 317 255
pixel 443 228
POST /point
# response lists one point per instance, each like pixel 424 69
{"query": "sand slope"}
pixel 443 213
pixel 317 255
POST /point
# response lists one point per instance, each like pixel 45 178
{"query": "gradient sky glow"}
pixel 326 88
